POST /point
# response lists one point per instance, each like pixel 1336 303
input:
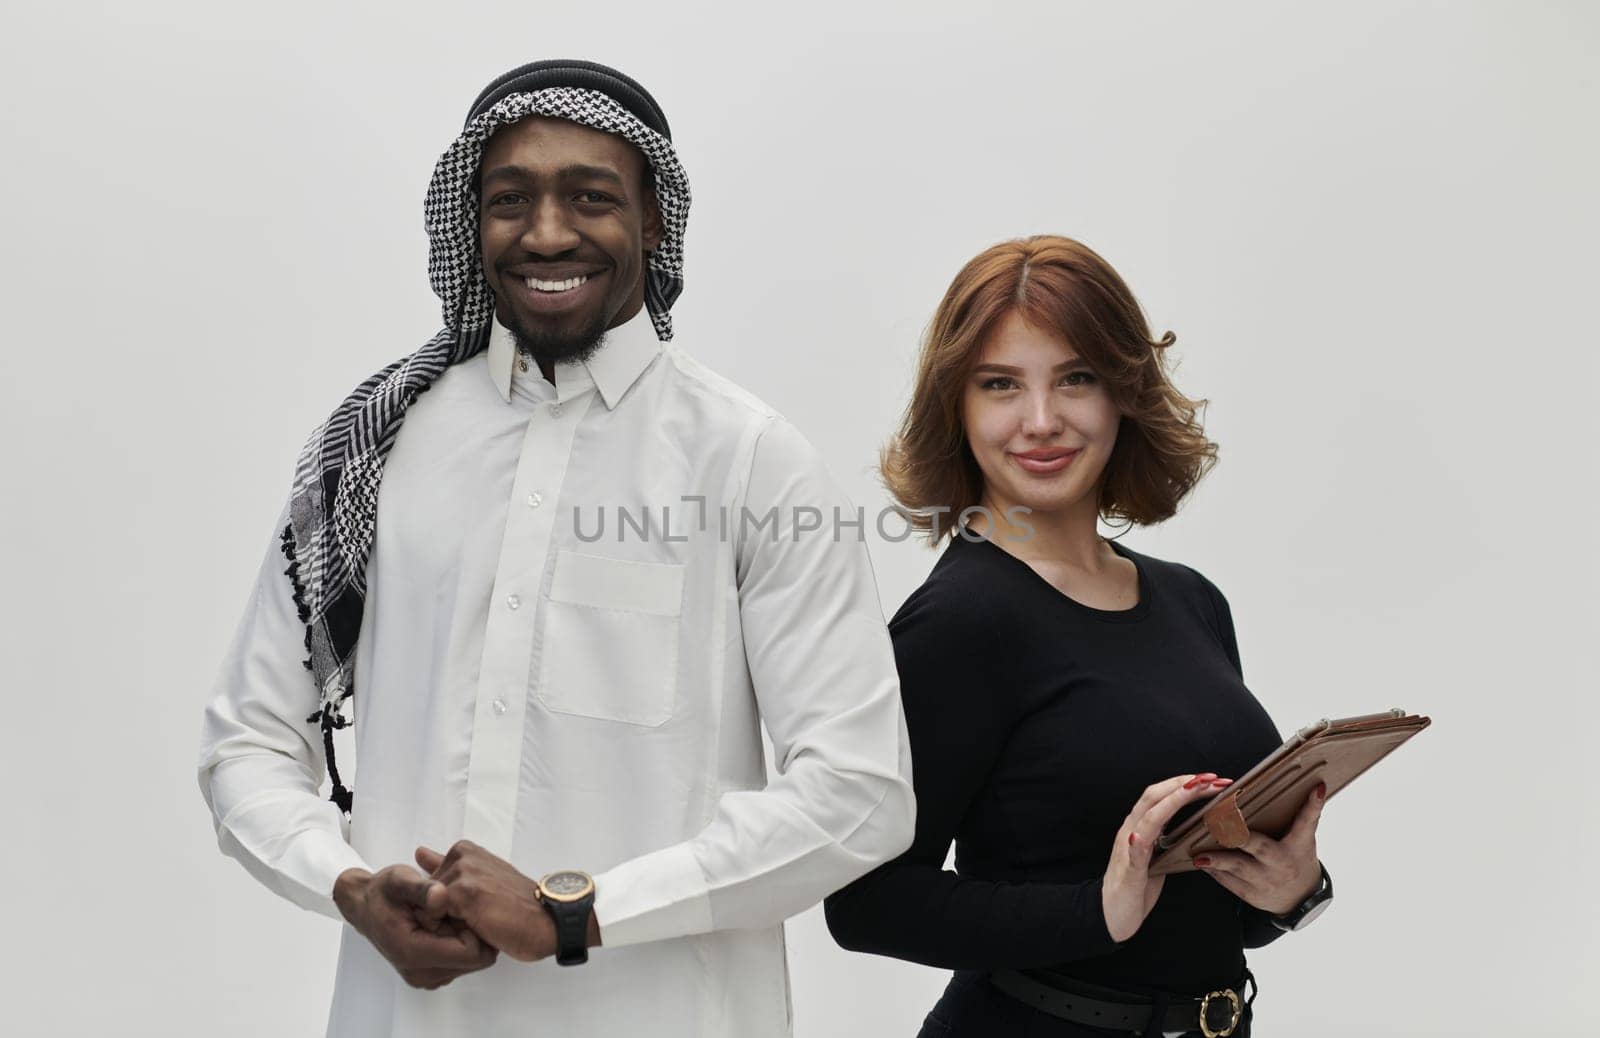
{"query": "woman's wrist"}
pixel 1316 885
pixel 1298 915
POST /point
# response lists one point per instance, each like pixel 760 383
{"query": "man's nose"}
pixel 549 231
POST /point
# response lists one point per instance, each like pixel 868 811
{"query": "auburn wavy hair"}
pixel 1058 283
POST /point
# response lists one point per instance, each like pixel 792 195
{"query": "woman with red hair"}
pixel 1066 695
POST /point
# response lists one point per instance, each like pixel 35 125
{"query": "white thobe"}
pixel 574 700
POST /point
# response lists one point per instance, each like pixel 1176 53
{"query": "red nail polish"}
pixel 1131 837
pixel 1193 783
pixel 1202 862
pixel 1223 782
pixel 1322 791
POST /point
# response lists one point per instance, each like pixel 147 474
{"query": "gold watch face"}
pixel 566 886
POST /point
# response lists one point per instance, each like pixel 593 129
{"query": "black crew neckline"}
pixel 1133 614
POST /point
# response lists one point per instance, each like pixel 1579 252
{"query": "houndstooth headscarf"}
pixel 333 502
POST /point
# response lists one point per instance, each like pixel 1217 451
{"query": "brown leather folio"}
pixel 1268 796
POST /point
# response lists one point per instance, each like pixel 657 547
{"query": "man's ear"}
pixel 652 221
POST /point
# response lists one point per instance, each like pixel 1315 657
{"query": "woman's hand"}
pixel 1273 875
pixel 1129 892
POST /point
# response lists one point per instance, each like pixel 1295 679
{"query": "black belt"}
pixel 1214 1015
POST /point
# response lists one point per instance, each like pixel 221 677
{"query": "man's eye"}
pixel 594 197
pixel 509 198
pixel 997 382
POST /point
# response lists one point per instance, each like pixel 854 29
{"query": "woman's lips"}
pixel 1044 465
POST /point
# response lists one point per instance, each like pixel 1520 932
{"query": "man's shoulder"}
pixel 719 395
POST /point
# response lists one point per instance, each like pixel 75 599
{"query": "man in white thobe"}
pixel 595 570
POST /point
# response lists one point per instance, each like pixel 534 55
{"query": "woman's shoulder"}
pixel 955 597
pixel 1173 577
pixel 948 639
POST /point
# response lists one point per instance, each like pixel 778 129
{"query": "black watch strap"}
pixel 572 928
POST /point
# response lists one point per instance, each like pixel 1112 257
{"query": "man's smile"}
pixel 552 295
pixel 556 286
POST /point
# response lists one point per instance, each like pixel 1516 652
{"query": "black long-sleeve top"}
pixel 1036 722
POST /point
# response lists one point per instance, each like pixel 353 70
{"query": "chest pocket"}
pixel 611 639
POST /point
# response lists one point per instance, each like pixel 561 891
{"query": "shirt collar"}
pixel 624 353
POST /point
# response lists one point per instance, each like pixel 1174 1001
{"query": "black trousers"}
pixel 971 1007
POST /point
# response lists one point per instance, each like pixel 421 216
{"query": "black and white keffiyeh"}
pixel 333 501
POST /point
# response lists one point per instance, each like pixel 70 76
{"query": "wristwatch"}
pixel 1299 917
pixel 569 897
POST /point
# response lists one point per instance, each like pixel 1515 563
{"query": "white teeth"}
pixel 556 286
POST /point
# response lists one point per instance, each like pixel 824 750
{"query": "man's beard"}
pixel 553 347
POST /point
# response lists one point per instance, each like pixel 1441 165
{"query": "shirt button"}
pixel 555 410
pixel 499 707
pixel 534 499
pixel 513 601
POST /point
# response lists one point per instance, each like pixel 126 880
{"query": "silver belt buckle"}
pixel 1234 1004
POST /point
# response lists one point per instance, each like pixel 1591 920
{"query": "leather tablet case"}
pixel 1267 798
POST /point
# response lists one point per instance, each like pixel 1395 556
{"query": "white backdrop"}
pixel 1367 223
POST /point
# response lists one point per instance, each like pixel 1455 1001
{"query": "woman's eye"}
pixel 997 382
pixel 1079 378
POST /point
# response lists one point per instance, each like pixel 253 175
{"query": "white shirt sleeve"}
pixel 823 671
pixel 261 763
